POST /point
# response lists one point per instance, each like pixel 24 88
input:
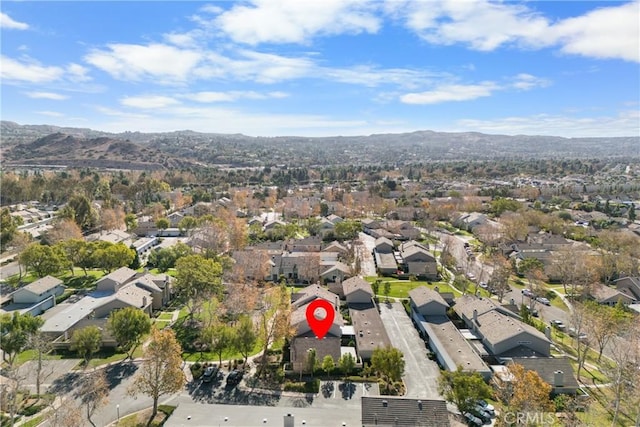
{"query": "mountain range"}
pixel 53 145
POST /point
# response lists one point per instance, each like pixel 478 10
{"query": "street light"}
pixel 118 413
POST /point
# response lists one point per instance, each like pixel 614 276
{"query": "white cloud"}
pixel 46 95
pixel 210 97
pixel 624 124
pixel 294 21
pixel 50 113
pixel 447 93
pixel 7 23
pixel 610 32
pixel 31 72
pixel 527 81
pixel 148 101
pixel 163 63
pixel 77 73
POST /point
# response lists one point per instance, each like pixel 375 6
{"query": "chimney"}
pixel 558 379
pixel 289 420
pixel 512 301
pixel 144 302
pixel 475 316
pixel 547 332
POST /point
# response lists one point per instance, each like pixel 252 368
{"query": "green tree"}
pixel 83 213
pixel 86 342
pixel 347 229
pixel 128 326
pixel 43 260
pixel 388 363
pixel 347 363
pixel 8 226
pixel 328 364
pixel 131 221
pixel 274 320
pixel 375 286
pixel 463 388
pixel 75 251
pixel 162 223
pixel 220 338
pixel 187 224
pixel 312 361
pixel 245 337
pixel 17 330
pixel 136 263
pixel 161 371
pixel 197 279
pixel 632 213
pixel 500 205
pixel 386 289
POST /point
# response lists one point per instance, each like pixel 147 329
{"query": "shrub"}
pixel 312 386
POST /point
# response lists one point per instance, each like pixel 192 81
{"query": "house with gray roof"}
pixel 390 411
pixel 427 302
pixel 418 261
pixel 369 330
pixel 383 245
pixel 607 295
pixel 39 291
pixel 502 333
pixel 555 371
pixel 630 286
pixel 114 280
pixel 304 339
pixel 357 290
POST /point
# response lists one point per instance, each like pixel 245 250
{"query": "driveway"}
pixel 420 374
pixel 367 265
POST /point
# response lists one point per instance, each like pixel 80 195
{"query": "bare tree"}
pixel 93 392
pixel 65 414
pixel 624 374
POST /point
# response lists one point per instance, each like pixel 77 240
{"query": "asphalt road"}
pixel 421 374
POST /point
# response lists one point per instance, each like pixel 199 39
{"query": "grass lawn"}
pixel 27 355
pixel 141 419
pixel 34 421
pixel 105 357
pixel 161 324
pixel 401 288
pixel 165 315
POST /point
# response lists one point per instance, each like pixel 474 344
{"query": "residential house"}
pixel 38 296
pixel 357 291
pixel 557 372
pixel 451 348
pixel 303 338
pixel 391 411
pixel 502 334
pixel 606 295
pixel 427 302
pixel 384 245
pixel 629 286
pixel 471 221
pixel 38 291
pixel 336 273
pixel 418 261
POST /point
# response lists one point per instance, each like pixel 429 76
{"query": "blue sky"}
pixel 324 67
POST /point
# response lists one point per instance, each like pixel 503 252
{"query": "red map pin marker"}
pixel 320 326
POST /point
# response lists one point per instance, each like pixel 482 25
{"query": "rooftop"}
pixel 423 295
pixel 356 283
pixel 43 285
pixel 369 329
pixel 400 411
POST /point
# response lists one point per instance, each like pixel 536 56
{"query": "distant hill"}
pixel 56 145
pixel 104 152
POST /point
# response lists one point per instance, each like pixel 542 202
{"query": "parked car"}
pixel 543 300
pixel 558 324
pixel 235 377
pixel 484 410
pixel 487 406
pixel 573 333
pixel 527 292
pixel 472 420
pixel 479 412
pixel 209 374
pixel 484 285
